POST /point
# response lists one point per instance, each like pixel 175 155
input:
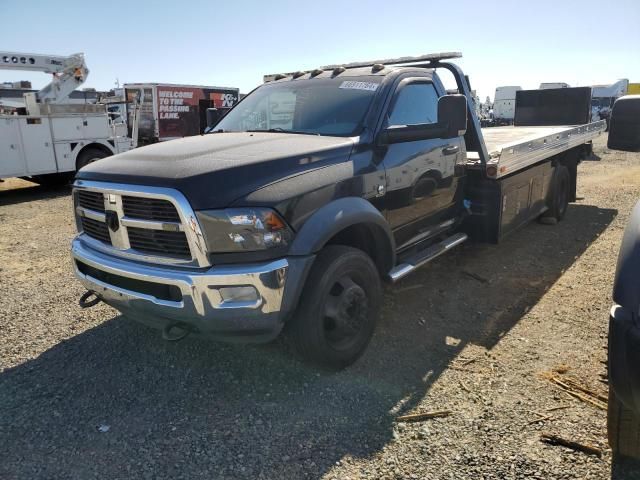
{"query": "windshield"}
pixel 334 107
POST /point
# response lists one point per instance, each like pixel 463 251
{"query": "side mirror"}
pixel 624 124
pixel 452 113
pixel 452 123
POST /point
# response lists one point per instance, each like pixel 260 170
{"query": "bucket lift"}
pixel 69 72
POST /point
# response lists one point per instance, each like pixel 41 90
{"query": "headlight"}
pixel 243 229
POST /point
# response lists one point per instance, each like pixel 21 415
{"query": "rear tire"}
pixel 560 193
pixel 623 428
pixel 88 156
pixel 339 308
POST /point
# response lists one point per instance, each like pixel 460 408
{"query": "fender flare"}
pixel 338 215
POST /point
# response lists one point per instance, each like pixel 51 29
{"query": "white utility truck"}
pixel 46 138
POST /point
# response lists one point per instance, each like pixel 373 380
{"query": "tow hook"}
pixel 84 301
pixel 175 331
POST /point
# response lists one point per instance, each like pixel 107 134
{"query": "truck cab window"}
pixel 333 107
pixel 415 103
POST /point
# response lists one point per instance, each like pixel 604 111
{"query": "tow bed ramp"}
pixel 515 148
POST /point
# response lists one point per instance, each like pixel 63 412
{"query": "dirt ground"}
pixel 90 394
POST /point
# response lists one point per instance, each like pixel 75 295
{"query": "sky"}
pixel 234 43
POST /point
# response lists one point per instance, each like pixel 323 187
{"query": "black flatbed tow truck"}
pixel 309 193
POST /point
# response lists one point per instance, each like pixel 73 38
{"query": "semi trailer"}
pixel 312 191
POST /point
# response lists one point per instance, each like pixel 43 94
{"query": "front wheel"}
pixel 338 309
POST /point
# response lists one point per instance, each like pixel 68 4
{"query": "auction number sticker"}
pixel 371 86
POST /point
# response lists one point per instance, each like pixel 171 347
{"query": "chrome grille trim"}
pixel 152 224
pixel 92 214
pixel 113 194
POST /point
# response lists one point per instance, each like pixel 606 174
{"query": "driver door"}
pixel 421 175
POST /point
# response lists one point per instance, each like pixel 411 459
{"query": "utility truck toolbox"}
pixel 309 193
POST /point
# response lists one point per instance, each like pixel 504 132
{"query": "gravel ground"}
pixel 89 394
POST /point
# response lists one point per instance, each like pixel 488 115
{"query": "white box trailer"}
pixel 504 104
pixel 169 111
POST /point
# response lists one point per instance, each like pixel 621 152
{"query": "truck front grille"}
pixel 159 242
pixel 151 224
pixel 149 209
pixel 91 200
pixel 96 229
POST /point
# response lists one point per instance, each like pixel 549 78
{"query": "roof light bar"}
pixel 377 65
pixel 430 57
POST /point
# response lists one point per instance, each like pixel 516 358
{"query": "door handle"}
pixel 450 150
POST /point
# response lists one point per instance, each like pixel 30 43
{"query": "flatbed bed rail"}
pixel 515 148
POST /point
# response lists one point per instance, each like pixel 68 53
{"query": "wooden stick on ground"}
pixel 418 417
pixel 541 418
pixel 561 407
pixel 475 276
pixel 582 388
pixel 556 440
pixel 584 398
pixel 464 387
pixel 595 400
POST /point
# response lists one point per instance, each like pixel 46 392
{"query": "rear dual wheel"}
pixel 338 309
pixel 560 192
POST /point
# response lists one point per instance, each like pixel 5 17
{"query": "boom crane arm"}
pixel 69 72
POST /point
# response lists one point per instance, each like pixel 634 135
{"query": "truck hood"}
pixel 214 170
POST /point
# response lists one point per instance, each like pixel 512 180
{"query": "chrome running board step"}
pixel 425 256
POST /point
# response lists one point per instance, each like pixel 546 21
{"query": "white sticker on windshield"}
pixel 360 85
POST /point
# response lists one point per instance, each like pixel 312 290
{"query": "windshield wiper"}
pixel 282 130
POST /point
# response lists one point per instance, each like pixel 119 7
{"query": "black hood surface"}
pixel 214 170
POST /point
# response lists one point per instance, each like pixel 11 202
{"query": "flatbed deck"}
pixel 514 148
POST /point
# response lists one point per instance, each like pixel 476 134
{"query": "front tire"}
pixel 339 308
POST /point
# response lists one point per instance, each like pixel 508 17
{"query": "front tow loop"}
pixel 175 331
pixel 84 301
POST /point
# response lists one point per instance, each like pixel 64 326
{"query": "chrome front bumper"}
pixel 201 302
